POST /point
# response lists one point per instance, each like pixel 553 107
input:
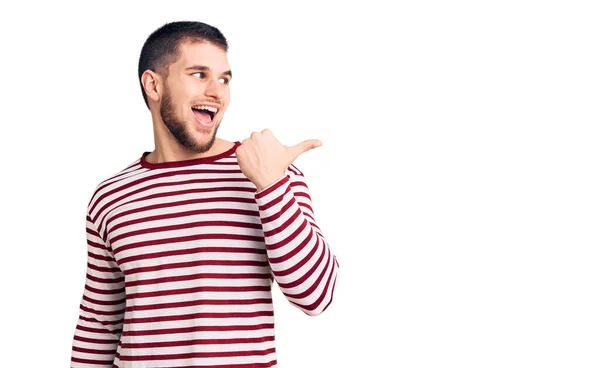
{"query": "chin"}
pixel 202 136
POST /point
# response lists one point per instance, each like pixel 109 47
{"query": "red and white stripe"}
pixel 181 260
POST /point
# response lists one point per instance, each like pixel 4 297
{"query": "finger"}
pixel 302 147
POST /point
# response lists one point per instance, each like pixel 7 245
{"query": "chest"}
pixel 213 229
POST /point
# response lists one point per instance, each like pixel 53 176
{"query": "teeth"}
pixel 204 107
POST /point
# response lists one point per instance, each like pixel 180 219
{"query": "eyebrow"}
pixel 205 68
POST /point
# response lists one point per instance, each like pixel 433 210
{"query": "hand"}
pixel 264 160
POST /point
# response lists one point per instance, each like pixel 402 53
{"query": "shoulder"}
pixel 116 180
pixel 295 170
pixel 297 179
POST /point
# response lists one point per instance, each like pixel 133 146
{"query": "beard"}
pixel 179 129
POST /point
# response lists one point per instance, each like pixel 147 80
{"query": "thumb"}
pixel 302 147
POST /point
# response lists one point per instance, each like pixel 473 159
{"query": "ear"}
pixel 152 84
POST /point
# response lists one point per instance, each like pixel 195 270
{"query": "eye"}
pixel 203 75
pixel 225 80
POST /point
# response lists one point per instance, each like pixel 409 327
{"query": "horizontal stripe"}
pixel 168 331
pixel 181 260
pixel 199 316
pixel 158 357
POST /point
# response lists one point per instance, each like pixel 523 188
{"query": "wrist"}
pixel 265 183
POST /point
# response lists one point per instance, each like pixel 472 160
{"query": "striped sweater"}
pixel 182 256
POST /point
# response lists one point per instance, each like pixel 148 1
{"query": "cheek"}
pixel 183 111
pixel 225 100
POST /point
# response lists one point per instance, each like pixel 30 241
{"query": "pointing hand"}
pixel 264 160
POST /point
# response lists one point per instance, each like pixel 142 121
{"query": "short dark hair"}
pixel 161 49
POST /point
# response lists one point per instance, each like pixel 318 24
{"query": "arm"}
pixel 303 264
pixel 102 306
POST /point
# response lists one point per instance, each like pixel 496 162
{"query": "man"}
pixel 185 242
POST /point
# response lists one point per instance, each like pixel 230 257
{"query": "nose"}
pixel 213 88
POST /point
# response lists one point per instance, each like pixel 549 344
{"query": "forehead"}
pixel 202 53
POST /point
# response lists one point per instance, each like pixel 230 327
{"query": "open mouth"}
pixel 204 114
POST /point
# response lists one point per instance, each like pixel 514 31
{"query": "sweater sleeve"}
pixel 102 306
pixel 304 266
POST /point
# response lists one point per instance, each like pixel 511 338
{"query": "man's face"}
pixel 199 78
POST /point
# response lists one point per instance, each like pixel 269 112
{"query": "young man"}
pixel 185 242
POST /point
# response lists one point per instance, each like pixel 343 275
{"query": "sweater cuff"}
pixel 272 187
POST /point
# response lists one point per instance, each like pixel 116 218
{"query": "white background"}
pixel 458 181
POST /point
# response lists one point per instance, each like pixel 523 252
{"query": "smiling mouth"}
pixel 203 115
